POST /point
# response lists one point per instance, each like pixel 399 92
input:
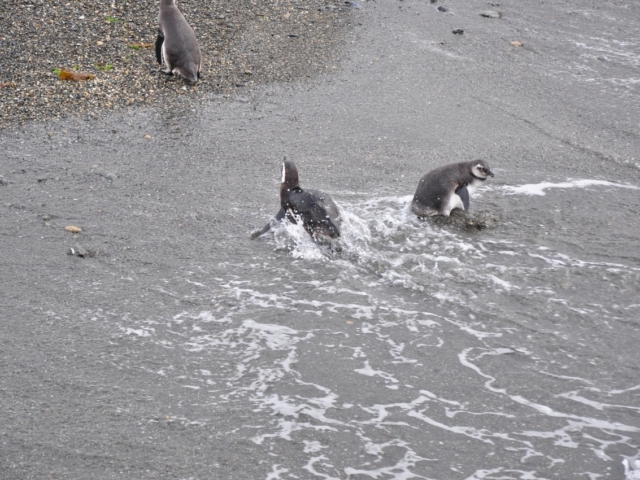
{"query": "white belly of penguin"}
pixel 454 202
pixel 473 186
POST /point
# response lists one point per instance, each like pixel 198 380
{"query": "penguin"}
pixel 316 210
pixel 448 187
pixel 176 44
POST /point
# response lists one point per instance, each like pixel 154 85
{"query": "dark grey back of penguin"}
pixel 436 189
pixel 317 210
pixel 177 44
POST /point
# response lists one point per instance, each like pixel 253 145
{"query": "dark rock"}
pixel 457 31
pixel 464 220
pixel 82 252
pixel 442 8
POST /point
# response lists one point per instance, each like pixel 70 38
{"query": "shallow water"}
pixel 455 355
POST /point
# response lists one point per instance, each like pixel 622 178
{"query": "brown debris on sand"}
pixel 74 76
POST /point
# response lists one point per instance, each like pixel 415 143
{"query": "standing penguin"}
pixel 177 45
pixel 316 210
pixel 448 187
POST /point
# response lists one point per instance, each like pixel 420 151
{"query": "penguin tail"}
pixel 421 211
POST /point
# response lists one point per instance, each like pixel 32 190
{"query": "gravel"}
pixel 244 44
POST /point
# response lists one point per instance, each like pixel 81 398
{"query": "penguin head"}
pixel 289 174
pixel 480 169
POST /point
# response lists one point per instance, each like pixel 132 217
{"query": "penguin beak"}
pixel 488 172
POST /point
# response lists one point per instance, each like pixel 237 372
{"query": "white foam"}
pixel 539 188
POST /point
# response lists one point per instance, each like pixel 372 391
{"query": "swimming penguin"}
pixel 316 210
pixel 177 45
pixel 448 187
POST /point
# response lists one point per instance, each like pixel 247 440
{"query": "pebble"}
pixel 458 31
pixel 491 14
pixel 442 8
pixel 73 229
pixel 516 43
pixel 82 252
pixel 110 176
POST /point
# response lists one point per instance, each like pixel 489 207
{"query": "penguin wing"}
pixel 463 193
pixel 279 216
pixel 159 42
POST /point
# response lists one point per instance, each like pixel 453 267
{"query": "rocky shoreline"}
pixel 244 44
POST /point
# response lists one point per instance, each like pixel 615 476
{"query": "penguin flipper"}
pixel 279 216
pixel 159 42
pixel 463 193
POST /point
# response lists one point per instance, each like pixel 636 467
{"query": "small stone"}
pixel 491 14
pixel 247 72
pixel 147 137
pixel 292 35
pixel 110 176
pixel 79 251
pixel 457 31
pixel 73 229
pixel 442 8
pixel 46 218
pixel 516 43
pixel 100 43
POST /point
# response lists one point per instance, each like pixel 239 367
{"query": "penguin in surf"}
pixel 316 210
pixel 448 187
